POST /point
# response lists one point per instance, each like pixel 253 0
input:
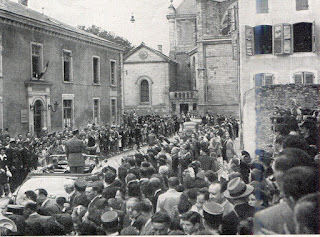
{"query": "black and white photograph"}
pixel 159 117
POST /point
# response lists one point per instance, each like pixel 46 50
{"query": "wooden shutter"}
pixel 258 79
pixel 298 78
pixel 278 39
pixel 287 39
pixel 313 37
pixel 268 79
pixel 308 78
pixel 249 40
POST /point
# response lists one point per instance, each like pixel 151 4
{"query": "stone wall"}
pixel 266 99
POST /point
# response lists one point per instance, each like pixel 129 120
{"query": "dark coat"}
pixel 208 163
pixel 154 199
pixel 74 149
pixel 49 208
pixel 274 219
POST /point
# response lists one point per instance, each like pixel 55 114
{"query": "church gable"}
pixel 144 54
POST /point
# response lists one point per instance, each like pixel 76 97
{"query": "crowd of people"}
pixel 23 154
pixel 197 185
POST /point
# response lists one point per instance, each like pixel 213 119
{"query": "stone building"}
pixel 279 50
pixel 148 75
pixel 203 40
pixel 53 75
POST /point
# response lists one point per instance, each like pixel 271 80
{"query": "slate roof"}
pixel 187 7
pixel 18 9
pixel 142 45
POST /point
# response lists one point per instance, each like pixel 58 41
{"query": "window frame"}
pixel 260 9
pixel 301 6
pixel 303 75
pixel 264 75
pixel 113 73
pixel 255 39
pixel 40 60
pixel 70 66
pixel 71 98
pixel 140 87
pixel 312 37
pixel 98 112
pixel 98 71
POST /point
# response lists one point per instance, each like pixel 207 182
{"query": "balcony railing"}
pixel 183 95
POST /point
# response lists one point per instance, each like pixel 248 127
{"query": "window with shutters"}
pixel 303 78
pixel 303 37
pixel 287 38
pixel 263 79
pixel 263 39
pixel 262 6
pixel 302 5
pixel 144 91
pixel 67 65
pixel 96 70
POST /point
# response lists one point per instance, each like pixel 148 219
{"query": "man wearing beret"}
pixel 74 149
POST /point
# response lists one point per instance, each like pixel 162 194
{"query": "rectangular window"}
pixel 113 111
pixel 96 70
pixel 36 53
pixel 194 106
pixel 263 79
pixel 302 5
pixel 113 72
pixel 67 113
pixel 262 6
pixel 303 78
pixel 263 39
pixel 303 39
pixel 67 66
pixel 96 111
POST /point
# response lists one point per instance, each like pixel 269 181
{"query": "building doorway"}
pixel 184 108
pixel 38 117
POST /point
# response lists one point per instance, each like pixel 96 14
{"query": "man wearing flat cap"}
pixel 74 149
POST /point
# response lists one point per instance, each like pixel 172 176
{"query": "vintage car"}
pixel 53 183
pixel 188 128
pixel 52 178
pixel 61 166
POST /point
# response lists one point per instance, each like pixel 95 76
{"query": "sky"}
pixel 151 25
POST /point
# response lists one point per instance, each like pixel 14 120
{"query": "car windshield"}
pixel 53 185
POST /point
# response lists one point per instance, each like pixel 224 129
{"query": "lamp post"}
pixel 54 107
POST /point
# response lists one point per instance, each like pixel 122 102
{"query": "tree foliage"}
pixel 108 36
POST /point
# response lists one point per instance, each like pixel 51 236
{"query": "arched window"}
pixel 144 91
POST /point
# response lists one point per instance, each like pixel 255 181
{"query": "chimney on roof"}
pixel 24 2
pixel 160 48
